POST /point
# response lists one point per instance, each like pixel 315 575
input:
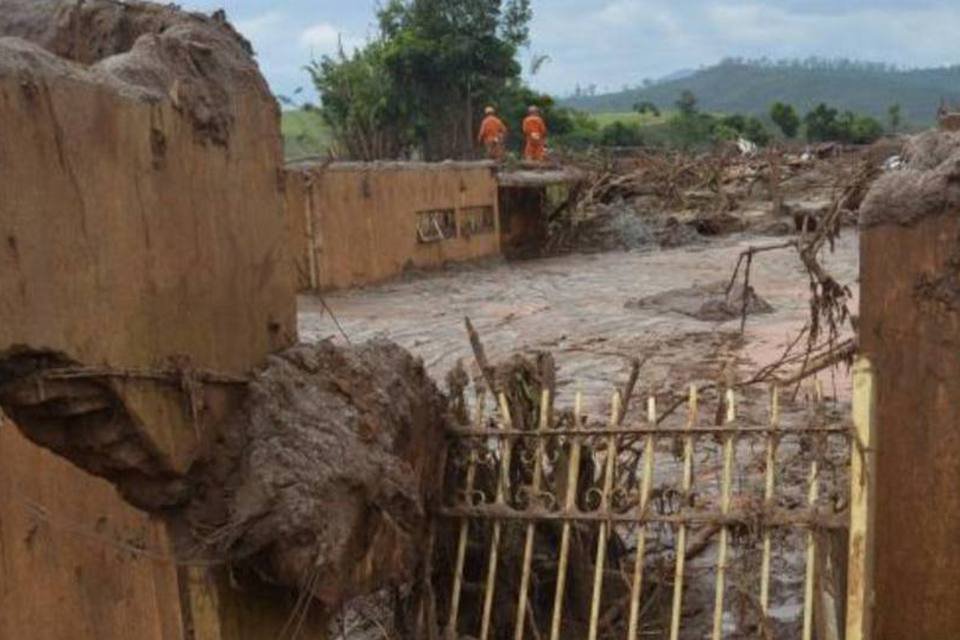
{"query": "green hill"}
pixel 751 87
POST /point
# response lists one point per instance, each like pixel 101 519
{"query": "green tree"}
pixel 621 134
pixel 825 123
pixel 821 124
pixel 786 118
pixel 687 104
pixel 436 63
pixel 895 115
pixel 361 105
pixel 647 107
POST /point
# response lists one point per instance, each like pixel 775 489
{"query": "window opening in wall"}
pixel 477 220
pixel 436 225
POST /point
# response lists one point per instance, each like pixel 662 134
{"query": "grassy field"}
pixel 304 134
pixel 629 117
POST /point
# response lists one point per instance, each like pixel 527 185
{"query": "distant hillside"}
pixel 751 87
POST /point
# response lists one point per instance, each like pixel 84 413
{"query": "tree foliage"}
pixel 895 114
pixel 646 107
pixel 827 124
pixel 786 118
pixel 426 78
pixel 687 104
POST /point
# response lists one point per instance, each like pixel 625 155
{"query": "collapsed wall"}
pixel 910 329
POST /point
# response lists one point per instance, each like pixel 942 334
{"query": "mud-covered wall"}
pixel 910 328
pixel 75 560
pixel 360 221
pixel 137 226
pixel 142 230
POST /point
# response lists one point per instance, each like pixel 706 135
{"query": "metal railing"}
pixel 628 498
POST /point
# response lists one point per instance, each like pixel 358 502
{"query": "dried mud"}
pixel 929 184
pixel 324 477
pixel 144 50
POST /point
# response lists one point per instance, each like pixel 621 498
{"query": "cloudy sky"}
pixel 612 43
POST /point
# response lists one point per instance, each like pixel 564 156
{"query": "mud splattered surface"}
pixel 323 479
pixel 574 306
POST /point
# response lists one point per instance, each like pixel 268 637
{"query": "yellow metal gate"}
pixel 677 526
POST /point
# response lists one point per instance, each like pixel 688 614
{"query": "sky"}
pixel 615 43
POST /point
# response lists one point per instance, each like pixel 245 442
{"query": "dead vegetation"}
pixel 678 198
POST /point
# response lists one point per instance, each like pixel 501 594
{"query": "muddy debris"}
pixel 326 473
pixel 927 185
pixel 709 303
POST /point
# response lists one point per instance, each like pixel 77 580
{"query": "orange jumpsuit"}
pixel 535 130
pixel 492 134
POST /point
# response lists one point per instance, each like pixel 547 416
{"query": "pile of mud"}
pixel 141 49
pixel 929 183
pixel 709 303
pixel 324 477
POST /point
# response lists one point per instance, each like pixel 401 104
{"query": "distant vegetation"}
pixel 417 90
pixel 751 86
pixel 305 134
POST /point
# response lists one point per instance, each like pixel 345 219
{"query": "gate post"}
pixel 910 330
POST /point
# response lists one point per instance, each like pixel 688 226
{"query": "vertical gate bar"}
pixel 531 526
pixel 727 480
pixel 609 470
pixel 862 482
pixel 569 506
pixel 502 488
pixel 811 557
pixel 451 631
pixel 768 493
pixel 812 495
pixel 636 589
pixel 692 409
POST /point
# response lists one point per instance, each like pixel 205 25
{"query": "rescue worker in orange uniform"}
pixel 535 131
pixel 492 134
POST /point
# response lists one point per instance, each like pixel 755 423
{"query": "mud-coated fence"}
pixel 709 524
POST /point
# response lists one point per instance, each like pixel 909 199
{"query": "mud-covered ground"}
pixel 583 309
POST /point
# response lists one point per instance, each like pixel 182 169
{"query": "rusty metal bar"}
pixel 728 457
pixel 457 589
pixel 570 506
pixel 610 469
pixel 699 433
pixel 819 517
pixel 531 526
pixel 503 487
pixel 636 589
pixel 768 498
pixel 681 547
